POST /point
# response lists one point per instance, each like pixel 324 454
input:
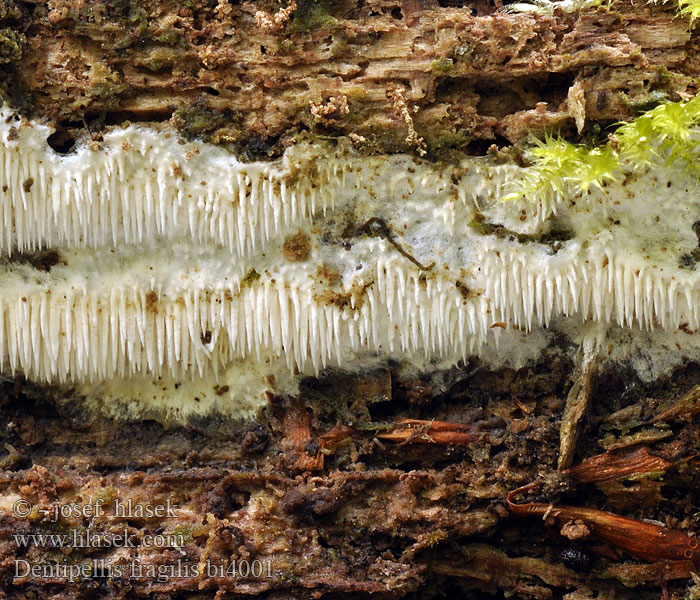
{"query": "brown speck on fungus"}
pixel 152 302
pixel 297 247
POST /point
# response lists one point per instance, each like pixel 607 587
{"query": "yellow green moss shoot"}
pixel 689 9
pixel 667 133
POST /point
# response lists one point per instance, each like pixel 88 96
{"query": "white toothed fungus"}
pixel 173 282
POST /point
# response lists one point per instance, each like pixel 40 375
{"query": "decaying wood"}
pixel 684 409
pixel 364 486
pixel 395 517
pixel 431 432
pixel 641 539
pixel 629 462
pixel 393 73
pixel 578 399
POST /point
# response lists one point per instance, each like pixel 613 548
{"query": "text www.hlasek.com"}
pixel 88 538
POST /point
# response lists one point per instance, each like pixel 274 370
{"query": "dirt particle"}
pixel 27 185
pixel 575 530
pixel 297 247
pixel 152 302
pixel 328 274
pixel 251 276
pixel 256 440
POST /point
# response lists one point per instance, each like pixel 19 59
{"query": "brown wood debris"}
pixel 618 465
pixel 463 73
pixel 640 539
pixel 577 401
pixel 430 432
pixel 362 485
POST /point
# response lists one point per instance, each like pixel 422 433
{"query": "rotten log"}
pixel 362 485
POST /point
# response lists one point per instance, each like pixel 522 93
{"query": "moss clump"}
pixel 157 59
pixel 558 164
pixel 442 65
pixel 201 121
pixel 456 140
pixel 155 65
pixel 481 226
pixel 10 11
pixel 170 37
pixel 286 47
pixel 645 102
pixel 184 533
pixel 105 87
pixel 11 45
pixel 666 133
pixel 689 9
pixel 313 14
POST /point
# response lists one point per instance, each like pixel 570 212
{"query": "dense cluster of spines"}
pixel 607 288
pixel 71 327
pixel 130 192
pixel 124 330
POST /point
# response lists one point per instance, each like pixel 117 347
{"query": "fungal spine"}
pixel 172 264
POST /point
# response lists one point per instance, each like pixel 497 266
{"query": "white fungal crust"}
pixel 141 185
pixel 173 275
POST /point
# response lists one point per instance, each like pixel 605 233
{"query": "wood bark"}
pixel 363 486
pixel 467 74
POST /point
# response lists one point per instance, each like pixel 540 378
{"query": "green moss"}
pixel 455 139
pixel 105 88
pixel 157 59
pixel 185 533
pixel 655 475
pixel 10 11
pixel 689 9
pixel 481 226
pixel 201 121
pixel 155 65
pixel 644 102
pixel 558 164
pixel 313 14
pixel 662 74
pixel 553 238
pixel 442 65
pixel 11 45
pixel 171 37
pixel 107 495
pixel 286 47
pixel 666 133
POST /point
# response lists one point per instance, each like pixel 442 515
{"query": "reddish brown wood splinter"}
pixel 640 539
